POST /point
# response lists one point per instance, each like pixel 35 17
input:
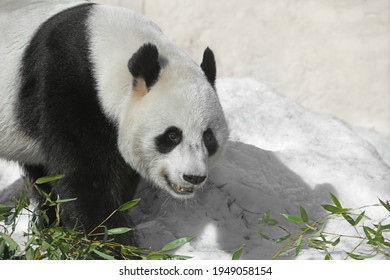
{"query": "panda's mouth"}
pixel 181 190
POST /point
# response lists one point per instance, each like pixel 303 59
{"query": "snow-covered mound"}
pixel 280 156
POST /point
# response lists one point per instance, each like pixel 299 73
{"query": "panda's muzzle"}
pixel 182 190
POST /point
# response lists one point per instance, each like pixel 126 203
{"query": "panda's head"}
pixel 172 125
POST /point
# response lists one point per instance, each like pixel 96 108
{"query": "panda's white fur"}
pixel 181 96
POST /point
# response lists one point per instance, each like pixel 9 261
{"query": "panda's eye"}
pixel 174 137
pixel 167 141
pixel 210 142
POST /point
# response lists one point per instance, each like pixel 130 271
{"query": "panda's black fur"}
pixel 144 64
pixel 58 106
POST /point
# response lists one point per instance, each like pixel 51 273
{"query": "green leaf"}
pixel 129 205
pixel 298 245
pixel 335 200
pixel 42 193
pixel 10 219
pixel 283 238
pixel 337 241
pixel 384 227
pixel 370 229
pixel 5 209
pixel 267 220
pixel 330 208
pixel 2 248
pixel 48 179
pixel 359 218
pixel 334 209
pixel 385 204
pixel 378 234
pixel 367 232
pixel 176 243
pixel 180 257
pixel 349 219
pixel 103 255
pixel 157 257
pixel 22 203
pixel 45 245
pixel 360 257
pixel 304 215
pixel 61 201
pixel 327 257
pixel 30 254
pixel 10 242
pixel 237 254
pixel 120 230
pixel 294 219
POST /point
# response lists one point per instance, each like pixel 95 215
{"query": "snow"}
pixel 280 156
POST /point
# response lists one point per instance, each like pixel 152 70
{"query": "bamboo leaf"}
pixel 359 218
pixel 42 193
pixel 176 243
pixel 360 257
pixel 120 230
pixel 378 234
pixel 304 215
pixel 337 241
pixel 370 229
pixel 294 219
pixel 61 201
pixel 367 231
pixel 283 238
pixel 237 254
pixel 334 209
pixel 48 179
pixel 180 257
pixel 385 204
pixel 129 205
pixel 5 209
pixel 298 246
pixel 267 220
pixel 103 255
pixel 9 241
pixel 384 227
pixel 157 257
pixel 2 248
pixel 349 219
pixel 335 200
pixel 331 208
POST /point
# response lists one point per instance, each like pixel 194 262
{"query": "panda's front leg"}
pixel 92 207
pixel 98 193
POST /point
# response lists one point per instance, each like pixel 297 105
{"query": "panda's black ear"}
pixel 208 66
pixel 144 64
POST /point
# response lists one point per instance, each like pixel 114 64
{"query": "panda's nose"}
pixel 194 179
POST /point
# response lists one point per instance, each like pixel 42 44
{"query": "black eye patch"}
pixel 210 142
pixel 167 141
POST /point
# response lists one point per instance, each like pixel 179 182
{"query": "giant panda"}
pixel 101 95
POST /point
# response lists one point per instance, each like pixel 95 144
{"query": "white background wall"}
pixel 329 55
